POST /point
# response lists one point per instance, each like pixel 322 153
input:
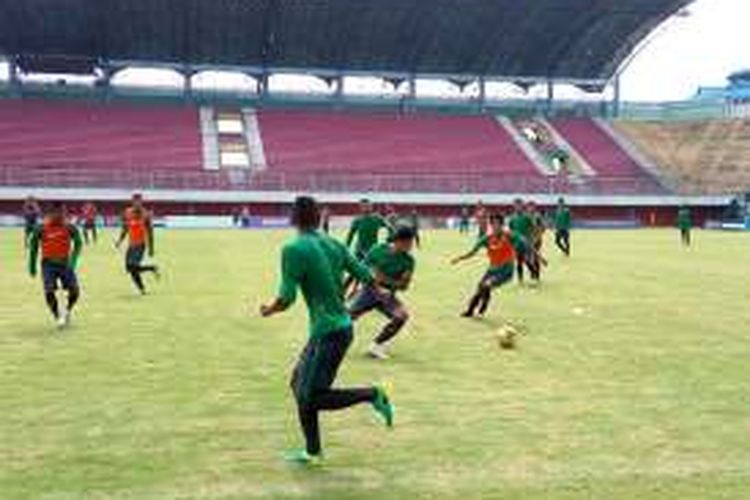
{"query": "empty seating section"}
pixel 599 150
pixel 346 143
pixel 91 136
pixel 79 144
pixel 702 157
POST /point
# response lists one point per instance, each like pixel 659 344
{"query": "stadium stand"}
pixel 601 152
pixel 706 157
pixel 388 143
pixel 52 134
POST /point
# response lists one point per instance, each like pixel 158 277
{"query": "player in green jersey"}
pixel 522 223
pixel 562 227
pixel 315 264
pixel 393 266
pixel 685 224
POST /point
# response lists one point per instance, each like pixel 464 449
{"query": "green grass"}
pixel 183 394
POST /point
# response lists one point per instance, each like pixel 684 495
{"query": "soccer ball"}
pixel 506 337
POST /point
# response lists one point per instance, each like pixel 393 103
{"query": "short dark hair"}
pixel 305 213
pixel 497 219
pixel 403 233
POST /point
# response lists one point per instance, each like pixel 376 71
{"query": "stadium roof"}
pixel 562 39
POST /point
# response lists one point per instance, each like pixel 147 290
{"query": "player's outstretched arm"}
pixel 351 233
pixel 471 253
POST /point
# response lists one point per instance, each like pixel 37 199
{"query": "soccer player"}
pixel 523 224
pixel 414 224
pixel 685 224
pixel 88 219
pixel 60 243
pixel 501 246
pixel 314 263
pixel 463 221
pixel 482 217
pixel 31 215
pixel 562 227
pixel 393 266
pixel 537 240
pixel 366 228
pixel 138 228
pixel 325 220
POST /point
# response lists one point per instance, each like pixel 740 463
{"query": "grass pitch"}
pixel 632 381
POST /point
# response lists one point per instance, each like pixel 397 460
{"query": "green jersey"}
pixel 394 265
pixel 366 228
pixel 315 263
pixel 684 219
pixel 523 224
pixel 562 219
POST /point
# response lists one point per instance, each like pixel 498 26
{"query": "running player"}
pixel 366 228
pixel 138 228
pixel 60 243
pixel 393 266
pixel 501 246
pixel 685 224
pixel 522 223
pixel 31 215
pixel 314 263
pixel 88 220
pixel 562 227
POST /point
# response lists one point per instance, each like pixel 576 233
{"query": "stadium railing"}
pixel 468 181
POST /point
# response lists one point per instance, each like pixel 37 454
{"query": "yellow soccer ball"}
pixel 506 337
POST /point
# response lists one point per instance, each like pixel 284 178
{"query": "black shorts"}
pixel 319 363
pixel 134 255
pixel 54 273
pixel 370 297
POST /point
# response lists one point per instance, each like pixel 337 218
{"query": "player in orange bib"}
pixel 60 244
pixel 501 245
pixel 138 229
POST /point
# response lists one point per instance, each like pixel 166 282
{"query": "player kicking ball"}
pixel 60 243
pixel 393 266
pixel 501 245
pixel 315 264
